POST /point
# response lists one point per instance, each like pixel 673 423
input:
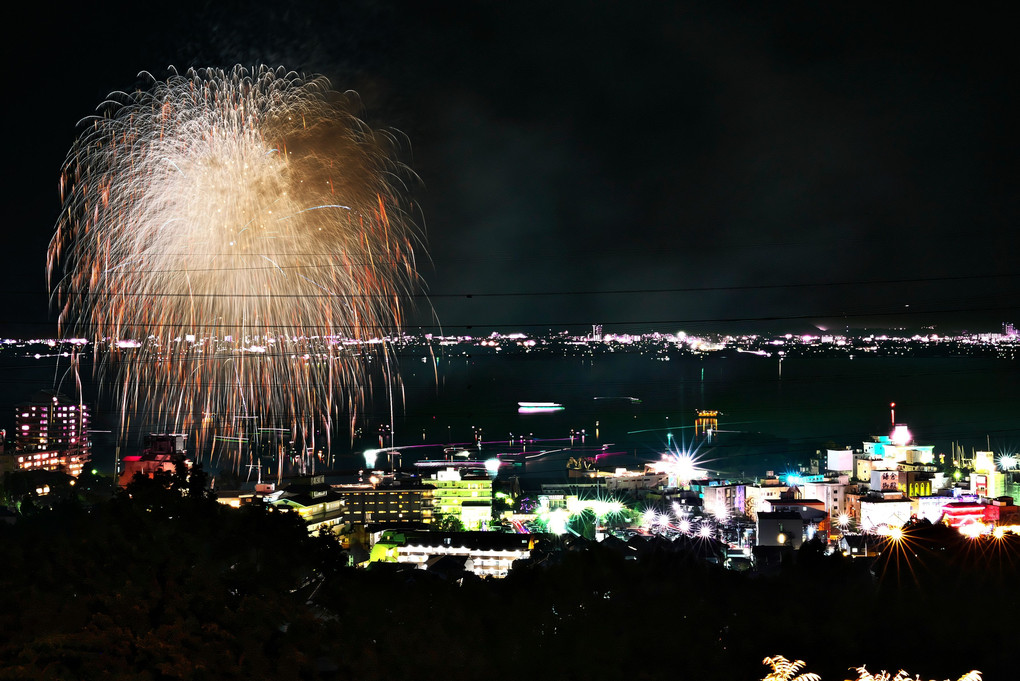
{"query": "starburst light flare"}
pixel 250 231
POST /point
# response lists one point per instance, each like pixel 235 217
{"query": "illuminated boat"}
pixel 537 407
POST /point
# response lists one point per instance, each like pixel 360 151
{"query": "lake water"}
pixel 768 421
pixel 814 403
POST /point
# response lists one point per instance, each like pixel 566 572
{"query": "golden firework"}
pixel 234 242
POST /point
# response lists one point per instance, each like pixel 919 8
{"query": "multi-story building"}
pixel 724 500
pixel 160 454
pixel 899 447
pixel 914 483
pixel 888 508
pixel 50 421
pixel 486 554
pixel 930 508
pixel 320 509
pixel 71 462
pixel 389 503
pixel 986 481
pixel 885 480
pixel 51 433
pixel 464 495
pixel 833 493
pixel 756 496
pixel 623 481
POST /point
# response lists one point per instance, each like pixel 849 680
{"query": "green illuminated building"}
pixel 466 496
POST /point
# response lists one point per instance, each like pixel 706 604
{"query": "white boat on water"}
pixel 537 407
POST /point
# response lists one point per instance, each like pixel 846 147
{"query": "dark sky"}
pixel 659 162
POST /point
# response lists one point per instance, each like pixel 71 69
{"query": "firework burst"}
pixel 249 232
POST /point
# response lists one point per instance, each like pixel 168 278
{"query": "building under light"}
pixel 464 495
pixel 930 508
pixel 388 502
pixel 320 509
pixel 52 433
pixel 888 509
pixel 160 454
pixel 486 554
pixel 959 513
pixel 724 500
pixel 898 447
pixel 757 497
pixel 832 493
pixel 637 483
pixel 986 481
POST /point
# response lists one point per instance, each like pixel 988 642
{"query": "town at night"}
pixel 377 340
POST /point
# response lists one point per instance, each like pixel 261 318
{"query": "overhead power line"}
pixel 533 294
pixel 147 327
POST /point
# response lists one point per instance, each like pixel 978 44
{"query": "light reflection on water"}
pixel 628 408
pixel 640 406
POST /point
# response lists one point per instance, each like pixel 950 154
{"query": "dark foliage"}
pixel 162 582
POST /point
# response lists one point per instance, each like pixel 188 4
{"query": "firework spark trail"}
pixel 250 230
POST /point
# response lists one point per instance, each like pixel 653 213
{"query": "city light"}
pixel 973 530
pixel 370 457
pixel 680 467
pixel 901 436
pixel 557 520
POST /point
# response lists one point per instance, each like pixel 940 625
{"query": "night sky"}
pixel 696 166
